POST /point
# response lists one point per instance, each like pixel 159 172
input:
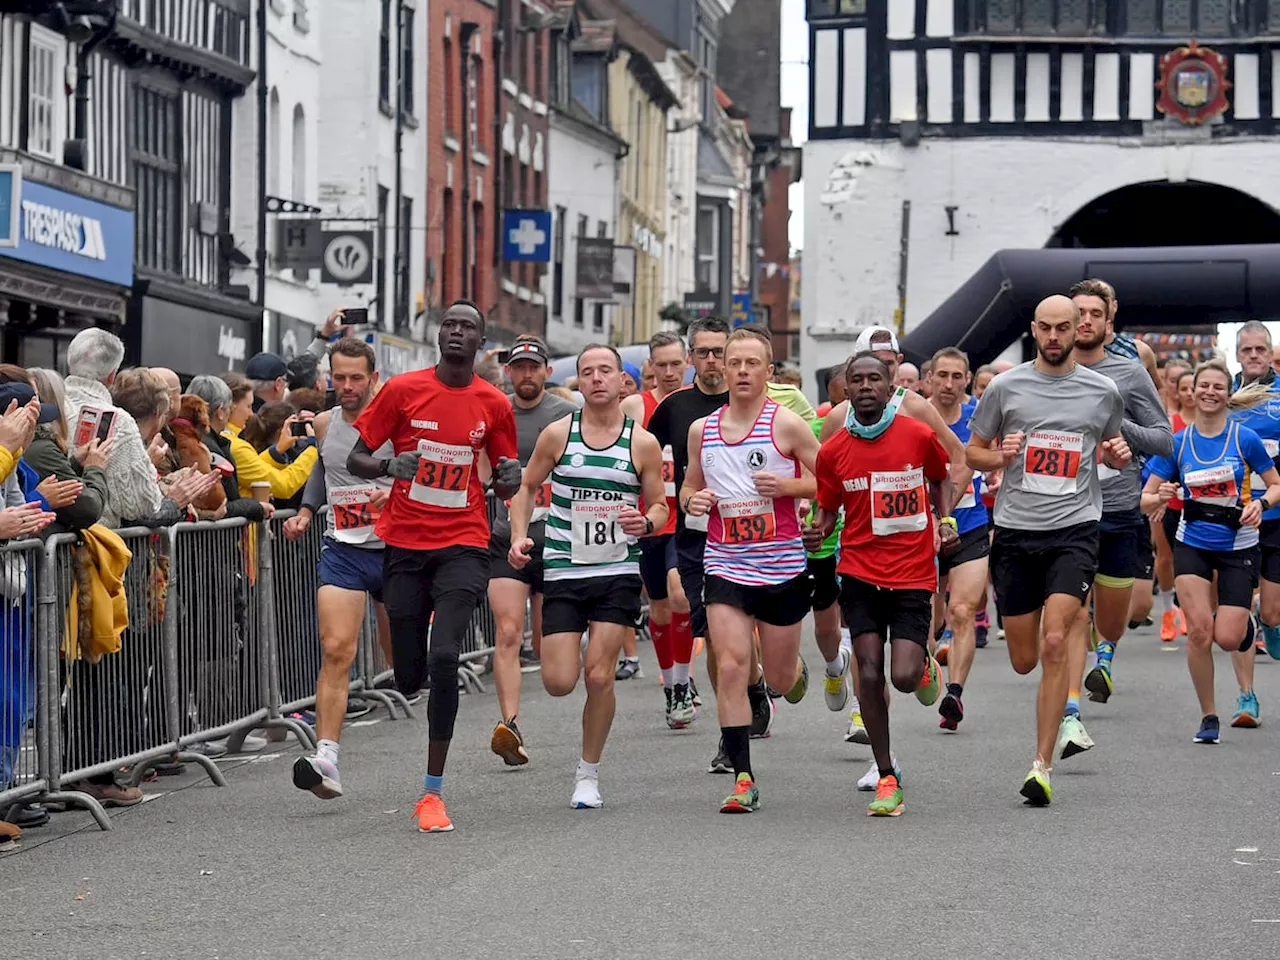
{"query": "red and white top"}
pixel 752 540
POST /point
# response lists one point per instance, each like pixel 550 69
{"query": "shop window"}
pixel 45 98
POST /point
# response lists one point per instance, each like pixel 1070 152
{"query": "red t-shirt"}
pixel 444 505
pixel 668 467
pixel 888 517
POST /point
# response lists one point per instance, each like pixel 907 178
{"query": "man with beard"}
pixel 1123 535
pixel 510 589
pixel 436 562
pixel 350 559
pixel 1043 423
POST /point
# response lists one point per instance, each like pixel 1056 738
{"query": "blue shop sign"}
pixel 67 232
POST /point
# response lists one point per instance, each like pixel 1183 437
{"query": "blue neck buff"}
pixel 872 431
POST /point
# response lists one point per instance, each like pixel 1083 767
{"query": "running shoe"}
pixel 944 647
pixel 586 794
pixel 1247 711
pixel 762 711
pixel 682 713
pixel 931 683
pixel 357 709
pixel 801 686
pixel 745 797
pixel 628 669
pixel 507 743
pixel 888 801
pixel 857 732
pixel 720 762
pixel 693 692
pixel 319 775
pixel 1208 732
pixel 1073 738
pixel 981 624
pixel 837 690
pixel 1098 682
pixel 667 691
pixel 431 814
pixel 1170 625
pixel 871 778
pixel 951 711
pixel 1271 640
pixel 1036 786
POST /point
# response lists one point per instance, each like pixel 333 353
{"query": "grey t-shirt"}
pixel 1053 481
pixel 530 422
pixel 1145 428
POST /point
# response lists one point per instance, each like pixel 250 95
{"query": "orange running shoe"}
pixel 1169 626
pixel 431 814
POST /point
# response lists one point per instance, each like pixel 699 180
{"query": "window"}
pixel 557 260
pixel 406 61
pixel 1039 17
pixel 301 21
pixel 450 111
pixel 473 100
pixel 538 89
pixel 273 143
pixel 446 245
pixel 384 202
pixel 597 317
pixel 506 18
pixel 299 191
pixel 560 60
pixel 602 229
pixel 579 311
pixel 155 162
pixel 384 55
pixel 45 96
pixel 836 8
pixel 404 255
pixel 637 147
pixel 1202 18
pixel 508 181
pixel 707 264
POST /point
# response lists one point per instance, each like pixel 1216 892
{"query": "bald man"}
pixel 908 377
pixel 1046 423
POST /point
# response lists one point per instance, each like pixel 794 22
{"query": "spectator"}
pixel 908 377
pixel 562 393
pixel 217 395
pixel 307 402
pixel 631 380
pixel 270 378
pixel 788 375
pixel 167 461
pixel 271 465
pixel 52 458
pixel 271 427
pixel 305 374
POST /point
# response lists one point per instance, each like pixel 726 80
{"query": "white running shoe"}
pixel 857 732
pixel 319 775
pixel 837 690
pixel 872 776
pixel 1073 738
pixel 586 794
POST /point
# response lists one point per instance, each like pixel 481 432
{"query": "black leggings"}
pixel 448 583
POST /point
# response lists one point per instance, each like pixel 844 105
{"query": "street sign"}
pixel 299 243
pixel 740 310
pixel 593 279
pixel 348 257
pixel 624 275
pixel 526 236
pixel 10 203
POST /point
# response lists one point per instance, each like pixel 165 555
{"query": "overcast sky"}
pixel 795 94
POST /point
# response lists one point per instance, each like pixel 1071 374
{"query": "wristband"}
pixel 648 526
pixel 948 522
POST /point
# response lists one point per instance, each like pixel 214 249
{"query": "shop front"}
pixel 191 330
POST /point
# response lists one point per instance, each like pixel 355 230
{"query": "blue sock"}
pixel 434 784
pixel 1106 650
pixel 1073 706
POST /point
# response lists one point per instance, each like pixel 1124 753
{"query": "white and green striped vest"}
pixel 588 488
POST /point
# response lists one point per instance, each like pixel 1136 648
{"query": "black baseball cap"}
pixel 266 366
pixel 23 393
pixel 528 350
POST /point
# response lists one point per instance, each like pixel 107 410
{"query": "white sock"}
pixel 1166 601
pixel 668 678
pixel 680 674
pixel 845 639
pixel 632 659
pixel 328 750
pixel 587 771
pixel 854 706
pixel 833 666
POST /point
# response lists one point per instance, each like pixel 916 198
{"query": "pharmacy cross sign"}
pixel 526 236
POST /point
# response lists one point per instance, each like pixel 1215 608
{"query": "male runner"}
pixel 744 474
pixel 885 478
pixel 599 463
pixel 964 570
pixel 350 559
pixel 669 624
pixel 1125 345
pixel 510 589
pixel 435 525
pixel 670 425
pixel 1122 530
pixel 1042 423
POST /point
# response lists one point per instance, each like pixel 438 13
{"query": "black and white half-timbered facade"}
pixel 121 125
pixel 943 131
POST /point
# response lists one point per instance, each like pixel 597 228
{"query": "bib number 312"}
pixel 444 474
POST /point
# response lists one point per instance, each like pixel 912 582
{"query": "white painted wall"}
pixel 682 177
pixel 583 179
pixel 1011 193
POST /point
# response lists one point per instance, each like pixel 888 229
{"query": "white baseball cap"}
pixel 876 335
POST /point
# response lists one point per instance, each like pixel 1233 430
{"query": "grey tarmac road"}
pixel 1154 846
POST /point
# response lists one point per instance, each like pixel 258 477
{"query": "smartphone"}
pixel 355 315
pixel 106 425
pixel 298 428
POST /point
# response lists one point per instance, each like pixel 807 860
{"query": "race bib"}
pixel 1256 482
pixel 898 502
pixel 749 520
pixel 541 503
pixel 597 538
pixel 668 472
pixel 444 474
pixel 697 523
pixel 353 514
pixel 970 496
pixel 1051 461
pixel 1216 485
pixel 1105 472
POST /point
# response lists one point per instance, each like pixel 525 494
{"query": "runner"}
pixel 884 475
pixel 1125 345
pixel 435 525
pixel 1121 531
pixel 745 475
pixel 350 570
pixel 1165 524
pixel 964 571
pixel 669 624
pixel 1218 532
pixel 1043 422
pixel 510 590
pixel 670 425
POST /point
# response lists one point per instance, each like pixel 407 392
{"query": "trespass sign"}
pixel 67 232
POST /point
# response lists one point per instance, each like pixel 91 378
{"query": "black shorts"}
pixel 1237 571
pixel 1148 551
pixel 893 614
pixel 690 547
pixel 657 556
pixel 1269 542
pixel 569 606
pixel 1120 539
pixel 974 545
pixel 826 588
pixel 500 567
pixel 1169 523
pixel 779 605
pixel 1027 566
